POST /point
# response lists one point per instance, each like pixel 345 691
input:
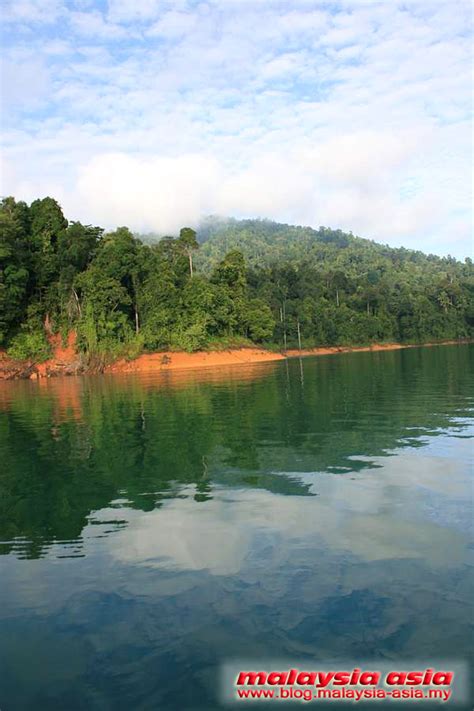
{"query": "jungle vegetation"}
pixel 230 283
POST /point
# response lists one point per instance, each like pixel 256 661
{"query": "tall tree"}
pixel 14 264
pixel 47 225
pixel 187 241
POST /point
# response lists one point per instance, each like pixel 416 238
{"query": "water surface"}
pixel 153 528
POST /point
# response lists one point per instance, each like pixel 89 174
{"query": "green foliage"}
pixel 47 226
pixel 192 338
pixel 259 320
pixel 187 242
pixel 342 289
pixel 14 265
pixel 30 342
pixel 29 345
pixel 249 281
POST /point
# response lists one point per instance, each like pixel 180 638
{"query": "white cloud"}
pixel 155 112
pixel 36 11
pixel 151 193
pixel 25 83
pixel 93 24
pixel 172 25
pixel 344 182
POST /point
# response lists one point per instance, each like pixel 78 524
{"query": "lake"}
pixel 154 528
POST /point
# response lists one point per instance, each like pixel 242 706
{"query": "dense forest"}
pixel 231 283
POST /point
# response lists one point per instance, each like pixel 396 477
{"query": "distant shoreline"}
pixel 374 347
pixel 66 362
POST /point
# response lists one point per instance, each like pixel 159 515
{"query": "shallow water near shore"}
pixel 154 527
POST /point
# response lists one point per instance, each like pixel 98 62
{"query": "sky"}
pixel 351 114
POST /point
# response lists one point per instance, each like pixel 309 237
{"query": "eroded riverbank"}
pixel 67 361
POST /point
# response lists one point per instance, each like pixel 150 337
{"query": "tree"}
pixel 118 258
pixel 157 297
pixel 77 246
pixel 47 225
pixel 188 243
pixel 14 264
pixel 230 278
pixel 104 322
pixel 259 321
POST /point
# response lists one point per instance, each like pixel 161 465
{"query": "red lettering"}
pixel 369 678
pixel 324 679
pixel 355 676
pixel 396 678
pixel 306 678
pixel 292 676
pixel 277 678
pixel 428 676
pixel 443 678
pixel 252 678
pixel 341 678
pixel 414 677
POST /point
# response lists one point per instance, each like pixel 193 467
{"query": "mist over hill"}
pixel 262 239
pixel 265 242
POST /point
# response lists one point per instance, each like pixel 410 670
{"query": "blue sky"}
pixel 152 113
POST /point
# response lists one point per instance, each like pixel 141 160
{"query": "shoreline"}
pixel 180 360
pixel 374 347
pixel 66 362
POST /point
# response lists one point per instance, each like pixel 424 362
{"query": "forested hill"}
pixel 264 242
pixel 235 280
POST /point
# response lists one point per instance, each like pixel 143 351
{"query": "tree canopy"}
pixel 231 282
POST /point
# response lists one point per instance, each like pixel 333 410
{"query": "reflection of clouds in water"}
pixel 186 535
pixel 378 515
pixel 375 517
pixel 359 570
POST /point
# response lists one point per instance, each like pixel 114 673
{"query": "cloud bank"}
pixel 153 114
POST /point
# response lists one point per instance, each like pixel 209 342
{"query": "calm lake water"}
pixel 153 528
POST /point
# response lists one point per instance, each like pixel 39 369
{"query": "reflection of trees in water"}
pixel 81 443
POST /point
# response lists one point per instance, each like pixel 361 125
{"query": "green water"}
pixel 154 528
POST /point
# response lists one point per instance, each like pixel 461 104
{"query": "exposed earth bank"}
pixel 66 361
